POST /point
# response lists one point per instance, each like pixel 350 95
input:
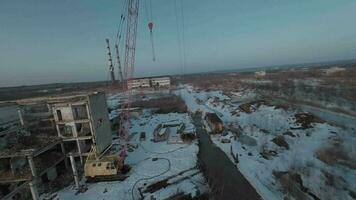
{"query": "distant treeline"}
pixel 20 92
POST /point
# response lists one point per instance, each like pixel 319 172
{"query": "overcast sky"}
pixel 64 41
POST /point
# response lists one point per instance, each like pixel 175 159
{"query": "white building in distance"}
pixel 154 82
pixel 260 74
pixel 333 70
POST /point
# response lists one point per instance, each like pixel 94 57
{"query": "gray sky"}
pixel 64 41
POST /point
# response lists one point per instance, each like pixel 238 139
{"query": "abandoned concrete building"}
pixel 139 83
pixel 30 153
pixel 44 133
pixel 36 117
pixel 160 82
pixel 82 120
pixel 154 82
pixel 214 122
pixel 28 167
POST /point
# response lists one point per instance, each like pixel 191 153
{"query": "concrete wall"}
pixel 67 114
pixel 80 112
pixel 100 121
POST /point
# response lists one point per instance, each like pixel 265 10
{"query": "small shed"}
pixel 214 122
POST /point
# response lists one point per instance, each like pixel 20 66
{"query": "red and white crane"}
pixel 126 74
pixel 129 64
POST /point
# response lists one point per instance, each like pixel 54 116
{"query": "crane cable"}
pixel 121 23
pixel 118 38
pixel 150 26
pixel 178 36
pixel 179 15
pixel 183 36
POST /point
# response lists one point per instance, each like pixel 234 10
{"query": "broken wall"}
pixel 100 121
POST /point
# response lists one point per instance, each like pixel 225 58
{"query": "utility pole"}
pixel 111 66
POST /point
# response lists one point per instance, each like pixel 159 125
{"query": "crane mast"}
pixel 129 64
pixel 111 66
pixel 93 160
pixel 118 62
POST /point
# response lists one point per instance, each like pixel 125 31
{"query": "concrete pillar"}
pixel 90 122
pixel 32 165
pixel 58 131
pixel 80 151
pixel 34 191
pixel 74 168
pixel 65 157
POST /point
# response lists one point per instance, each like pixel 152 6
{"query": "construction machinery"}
pixel 103 165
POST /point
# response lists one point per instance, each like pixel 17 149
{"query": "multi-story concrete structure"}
pixel 154 82
pixel 46 131
pixel 82 120
pixel 36 117
pixel 29 151
pixel 139 83
pixel 160 82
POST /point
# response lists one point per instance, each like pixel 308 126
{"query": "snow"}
pixel 180 156
pixel 265 123
pixel 191 179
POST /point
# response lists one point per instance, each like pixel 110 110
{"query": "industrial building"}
pixel 139 83
pixel 153 82
pixel 160 82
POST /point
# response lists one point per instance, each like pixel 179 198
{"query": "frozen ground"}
pixel 262 125
pixel 172 159
pixel 113 100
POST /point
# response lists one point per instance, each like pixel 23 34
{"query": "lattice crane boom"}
pixel 118 62
pixel 111 66
pixel 129 63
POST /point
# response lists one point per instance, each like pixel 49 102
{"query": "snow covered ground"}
pixel 171 160
pixel 266 123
